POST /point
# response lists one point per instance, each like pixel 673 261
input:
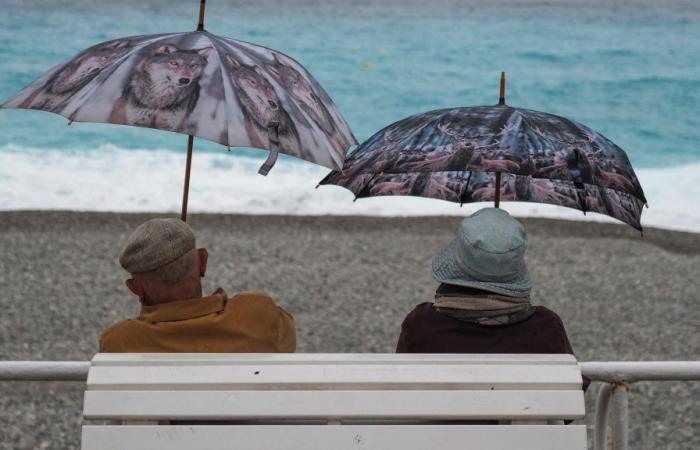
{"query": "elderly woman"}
pixel 483 302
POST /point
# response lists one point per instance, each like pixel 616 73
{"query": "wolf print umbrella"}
pixel 493 153
pixel 200 84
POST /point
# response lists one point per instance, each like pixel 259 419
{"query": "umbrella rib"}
pixel 226 82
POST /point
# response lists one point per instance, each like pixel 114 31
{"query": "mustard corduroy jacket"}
pixel 250 322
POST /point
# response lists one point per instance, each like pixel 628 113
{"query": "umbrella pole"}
pixel 501 101
pixel 497 199
pixel 200 25
pixel 502 94
pixel 190 138
pixel 186 191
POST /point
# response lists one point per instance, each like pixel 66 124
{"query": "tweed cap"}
pixel 156 243
pixel 488 254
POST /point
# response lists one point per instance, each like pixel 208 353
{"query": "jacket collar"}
pixel 184 309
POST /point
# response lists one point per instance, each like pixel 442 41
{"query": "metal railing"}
pixel 44 370
pixel 616 376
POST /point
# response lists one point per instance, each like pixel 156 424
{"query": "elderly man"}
pixel 166 270
pixel 483 302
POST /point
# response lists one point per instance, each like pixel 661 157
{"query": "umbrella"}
pixel 199 84
pixel 494 153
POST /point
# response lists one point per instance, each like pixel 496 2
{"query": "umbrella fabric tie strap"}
pixel 273 136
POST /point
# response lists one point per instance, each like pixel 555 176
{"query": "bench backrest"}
pixel 333 401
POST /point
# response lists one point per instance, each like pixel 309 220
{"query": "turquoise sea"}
pixel 629 69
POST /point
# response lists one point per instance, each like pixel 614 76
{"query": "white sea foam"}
pixel 114 179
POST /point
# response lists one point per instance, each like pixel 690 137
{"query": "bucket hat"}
pixel 488 254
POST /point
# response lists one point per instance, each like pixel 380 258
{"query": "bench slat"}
pixel 428 405
pixel 333 376
pixel 153 359
pixel 344 437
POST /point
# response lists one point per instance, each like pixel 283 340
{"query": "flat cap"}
pixel 156 243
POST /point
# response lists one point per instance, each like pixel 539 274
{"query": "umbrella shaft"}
pixel 502 90
pixel 186 191
pixel 497 199
pixel 200 25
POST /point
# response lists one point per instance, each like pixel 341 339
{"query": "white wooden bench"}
pixel 332 401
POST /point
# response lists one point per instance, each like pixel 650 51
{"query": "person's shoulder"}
pixel 252 297
pixel 548 319
pixel 255 300
pixel 117 328
pixel 115 333
pixel 545 313
pixel 418 313
pixel 259 307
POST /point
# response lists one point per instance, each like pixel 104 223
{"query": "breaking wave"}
pixel 110 178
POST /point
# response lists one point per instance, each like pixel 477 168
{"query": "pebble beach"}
pixel 348 281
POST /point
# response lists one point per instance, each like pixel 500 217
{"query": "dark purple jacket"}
pixel 425 330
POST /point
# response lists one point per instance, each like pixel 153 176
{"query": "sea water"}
pixel 629 69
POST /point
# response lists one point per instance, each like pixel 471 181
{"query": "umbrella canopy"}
pixel 200 84
pixel 486 152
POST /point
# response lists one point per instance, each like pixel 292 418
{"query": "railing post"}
pixel 620 408
pixel 602 408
